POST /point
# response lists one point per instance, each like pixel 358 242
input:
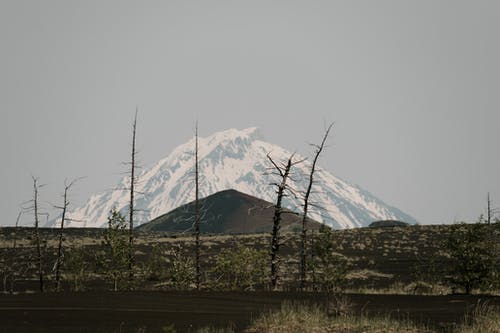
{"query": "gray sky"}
pixel 413 86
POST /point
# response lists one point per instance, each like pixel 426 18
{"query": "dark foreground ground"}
pixel 186 311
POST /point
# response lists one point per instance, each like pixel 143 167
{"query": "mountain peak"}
pixel 233 134
pixel 236 159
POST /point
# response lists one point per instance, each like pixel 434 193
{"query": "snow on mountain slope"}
pixel 235 159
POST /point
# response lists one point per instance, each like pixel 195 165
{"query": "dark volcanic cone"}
pixel 229 212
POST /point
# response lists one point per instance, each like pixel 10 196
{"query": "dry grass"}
pixel 400 288
pixel 485 319
pixel 292 318
pixel 228 329
pixel 312 319
pixel 373 325
pixel 365 274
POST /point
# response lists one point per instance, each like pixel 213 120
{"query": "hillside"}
pixel 226 212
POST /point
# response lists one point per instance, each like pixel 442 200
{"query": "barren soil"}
pixel 186 311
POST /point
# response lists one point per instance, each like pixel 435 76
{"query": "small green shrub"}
pixel 330 267
pixel 181 272
pixel 155 266
pixel 77 268
pixel 472 255
pixel 112 260
pixel 242 268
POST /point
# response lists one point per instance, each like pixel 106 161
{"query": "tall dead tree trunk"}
pixel 59 259
pixel 303 238
pixel 197 214
pixel 488 214
pixel 284 173
pixel 60 242
pixel 131 204
pixel 312 256
pixel 37 234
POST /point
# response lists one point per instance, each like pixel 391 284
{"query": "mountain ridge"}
pixel 236 159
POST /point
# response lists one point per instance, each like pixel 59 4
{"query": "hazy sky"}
pixel 413 86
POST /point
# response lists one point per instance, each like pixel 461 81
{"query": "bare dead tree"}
pixel 197 213
pixel 283 171
pixel 59 258
pixel 131 204
pixel 303 239
pixel 491 212
pixel 488 213
pixel 36 187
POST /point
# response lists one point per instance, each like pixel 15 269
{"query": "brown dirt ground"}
pixel 186 311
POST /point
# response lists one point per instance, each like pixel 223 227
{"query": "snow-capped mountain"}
pixel 235 159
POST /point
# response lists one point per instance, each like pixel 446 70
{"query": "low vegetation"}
pixel 473 253
pixel 412 260
pixel 304 318
pixel 313 319
pixel 441 259
pixel 484 319
pixel 240 268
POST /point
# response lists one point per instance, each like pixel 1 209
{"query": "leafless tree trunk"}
pixel 131 204
pixel 60 243
pixel 284 173
pixel 36 186
pixel 197 214
pixel 59 258
pixel 303 244
pixel 488 214
pixel 312 254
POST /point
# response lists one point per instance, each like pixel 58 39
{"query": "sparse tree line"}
pixel 161 266
pixel 472 250
pixel 467 262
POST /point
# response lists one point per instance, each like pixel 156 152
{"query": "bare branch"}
pixel 299 161
pixel 275 165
